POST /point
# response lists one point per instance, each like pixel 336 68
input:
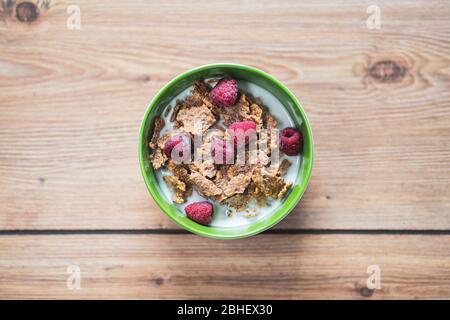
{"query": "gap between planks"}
pixel 184 232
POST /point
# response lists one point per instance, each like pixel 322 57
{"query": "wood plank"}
pixel 71 102
pixel 270 266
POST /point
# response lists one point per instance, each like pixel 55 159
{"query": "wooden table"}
pixel 71 192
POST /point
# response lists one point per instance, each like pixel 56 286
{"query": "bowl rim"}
pixel 201 230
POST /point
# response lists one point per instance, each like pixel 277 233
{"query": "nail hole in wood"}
pixel 27 12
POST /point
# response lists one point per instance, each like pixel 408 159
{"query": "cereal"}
pixel 173 116
pixel 240 111
pixel 178 186
pixel 268 184
pixel 284 165
pixel 240 187
pixel 239 201
pixel 178 170
pixel 162 141
pixel 271 122
pixel 205 168
pixel 256 115
pixel 195 120
pixel 158 158
pixel 157 126
pixel 203 185
pixel 284 190
pixel 237 184
pixel 237 169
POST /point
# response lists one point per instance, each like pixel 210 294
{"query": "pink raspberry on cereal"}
pixel 201 212
pixel 225 93
pixel 242 130
pixel 178 148
pixel 222 152
pixel 291 141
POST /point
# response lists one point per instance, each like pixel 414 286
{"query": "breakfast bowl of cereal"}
pixel 226 150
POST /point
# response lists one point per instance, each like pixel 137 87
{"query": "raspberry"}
pixel 239 130
pixel 222 152
pixel 201 212
pixel 178 148
pixel 225 93
pixel 290 141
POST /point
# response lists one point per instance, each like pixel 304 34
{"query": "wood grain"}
pixel 268 266
pixel 71 102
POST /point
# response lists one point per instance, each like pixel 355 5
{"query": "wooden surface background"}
pixel 71 192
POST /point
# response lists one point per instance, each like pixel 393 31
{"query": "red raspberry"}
pixel 225 93
pixel 239 130
pixel 178 148
pixel 290 141
pixel 222 152
pixel 200 212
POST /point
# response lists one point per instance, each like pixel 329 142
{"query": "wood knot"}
pixel 387 71
pixel 366 292
pixel 158 281
pixel 27 12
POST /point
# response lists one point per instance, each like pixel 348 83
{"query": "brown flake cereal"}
pixel 269 185
pixel 205 168
pixel 239 201
pixel 256 115
pixel 237 184
pixel 222 177
pixel 189 190
pixel 278 169
pixel 221 180
pixel 268 138
pixel 284 165
pixel 270 121
pixel 240 111
pixel 190 116
pixel 158 158
pixel 178 186
pixel 203 185
pixel 200 95
pixel 157 126
pixel 201 88
pixel 173 116
pixel 236 169
pixel 178 170
pixel 284 190
pixel 203 162
pixel 162 141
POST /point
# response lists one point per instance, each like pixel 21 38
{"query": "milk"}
pixel 225 217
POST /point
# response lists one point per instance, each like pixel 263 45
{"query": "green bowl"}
pixel 242 72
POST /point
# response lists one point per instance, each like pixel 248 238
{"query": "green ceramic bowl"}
pixel 246 73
